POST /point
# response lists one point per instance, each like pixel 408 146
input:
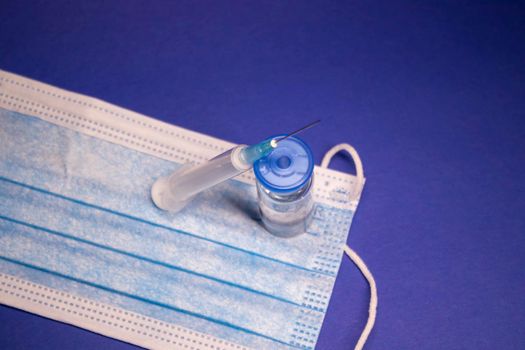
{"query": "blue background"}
pixel 432 95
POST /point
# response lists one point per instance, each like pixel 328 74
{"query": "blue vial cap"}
pixel 288 168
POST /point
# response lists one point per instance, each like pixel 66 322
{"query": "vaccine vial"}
pixel 284 187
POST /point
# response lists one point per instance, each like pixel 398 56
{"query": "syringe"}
pixel 173 192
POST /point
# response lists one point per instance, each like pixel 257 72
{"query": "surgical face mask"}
pixel 81 241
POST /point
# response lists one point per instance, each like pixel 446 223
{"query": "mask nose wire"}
pixel 356 192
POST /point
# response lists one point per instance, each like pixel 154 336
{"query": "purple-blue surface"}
pixel 432 95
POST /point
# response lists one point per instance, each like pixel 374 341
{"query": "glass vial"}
pixel 284 183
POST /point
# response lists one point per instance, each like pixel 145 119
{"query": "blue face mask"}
pixel 82 242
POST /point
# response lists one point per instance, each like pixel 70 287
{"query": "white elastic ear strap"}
pixel 372 309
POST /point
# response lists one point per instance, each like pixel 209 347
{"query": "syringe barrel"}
pixel 173 192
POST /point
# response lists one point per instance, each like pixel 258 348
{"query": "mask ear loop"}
pixel 372 309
